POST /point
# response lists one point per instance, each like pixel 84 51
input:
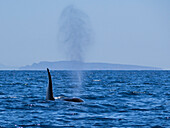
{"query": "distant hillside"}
pixel 74 65
pixel 4 67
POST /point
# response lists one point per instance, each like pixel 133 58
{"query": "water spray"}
pixel 75 36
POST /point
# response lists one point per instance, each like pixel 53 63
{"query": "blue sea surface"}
pixel 111 99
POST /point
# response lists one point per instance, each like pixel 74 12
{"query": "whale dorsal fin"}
pixel 49 93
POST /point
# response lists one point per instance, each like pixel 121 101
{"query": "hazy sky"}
pixel 124 31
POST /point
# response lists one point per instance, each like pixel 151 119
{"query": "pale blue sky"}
pixel 125 31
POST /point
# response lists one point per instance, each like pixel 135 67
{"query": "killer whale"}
pixel 49 93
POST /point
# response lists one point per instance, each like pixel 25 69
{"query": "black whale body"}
pixel 49 93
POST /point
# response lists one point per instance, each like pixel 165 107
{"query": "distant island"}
pixel 75 65
pixel 5 67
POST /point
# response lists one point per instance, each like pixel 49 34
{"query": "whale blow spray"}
pixel 74 33
pixel 75 36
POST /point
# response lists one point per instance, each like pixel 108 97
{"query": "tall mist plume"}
pixel 74 33
pixel 75 36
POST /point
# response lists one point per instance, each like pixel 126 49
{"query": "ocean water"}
pixel 111 99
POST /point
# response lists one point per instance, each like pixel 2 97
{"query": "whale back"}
pixel 74 99
pixel 49 93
